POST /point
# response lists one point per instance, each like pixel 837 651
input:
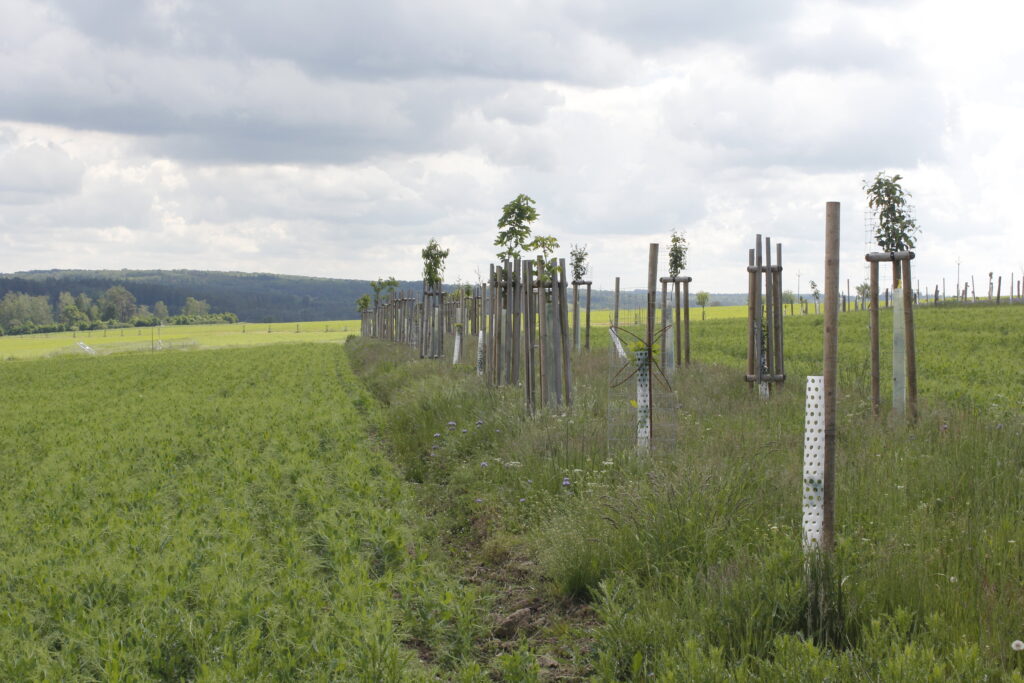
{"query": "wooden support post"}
pixel 563 293
pixel 686 321
pixel 911 354
pixel 780 362
pixel 666 352
pixel 542 321
pixel 751 302
pixel 769 309
pixel 875 372
pixel 615 313
pixel 576 315
pixel 831 363
pixel 676 328
pixel 517 318
pixel 529 351
pixel 586 343
pixel 761 371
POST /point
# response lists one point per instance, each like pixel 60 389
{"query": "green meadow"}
pixel 173 337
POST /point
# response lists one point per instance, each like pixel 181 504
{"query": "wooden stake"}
pixel 831 358
pixel 911 354
pixel 586 344
pixel 875 372
pixel 615 315
pixel 751 282
pixel 652 289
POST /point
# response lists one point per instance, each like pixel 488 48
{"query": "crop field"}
pixel 214 515
pixel 351 512
pixel 173 337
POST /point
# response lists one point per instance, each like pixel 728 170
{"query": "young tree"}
pixel 578 257
pixel 383 286
pixel 515 231
pixel 677 254
pixel 363 303
pixel 896 229
pixel 816 293
pixel 515 227
pixel 433 263
pixel 702 301
pixel 160 311
pixel 864 291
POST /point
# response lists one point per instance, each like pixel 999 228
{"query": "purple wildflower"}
pixel 464 431
pixel 479 500
pixel 479 422
pixel 483 464
pixel 437 435
pixel 566 482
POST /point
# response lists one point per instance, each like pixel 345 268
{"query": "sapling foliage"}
pixel 515 230
pixel 896 229
pixel 382 286
pixel 433 263
pixel 702 301
pixel 578 257
pixel 677 254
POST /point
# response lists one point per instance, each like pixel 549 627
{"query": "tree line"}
pixel 22 313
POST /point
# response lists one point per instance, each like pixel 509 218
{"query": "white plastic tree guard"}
pixel 643 399
pixel 814 463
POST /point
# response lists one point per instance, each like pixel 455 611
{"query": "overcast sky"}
pixel 335 138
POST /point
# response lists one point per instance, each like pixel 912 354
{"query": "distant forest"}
pixel 252 297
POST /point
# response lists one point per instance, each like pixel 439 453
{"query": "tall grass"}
pixel 692 556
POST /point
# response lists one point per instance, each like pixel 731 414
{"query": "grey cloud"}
pixel 812 123
pixel 526 104
pixel 383 39
pixel 36 173
pixel 651 25
pixel 847 46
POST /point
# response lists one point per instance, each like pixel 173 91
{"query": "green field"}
pixel 351 512
pixel 218 515
pixel 173 337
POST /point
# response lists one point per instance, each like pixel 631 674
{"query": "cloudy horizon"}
pixel 334 139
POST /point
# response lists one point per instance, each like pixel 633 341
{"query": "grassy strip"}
pixel 691 557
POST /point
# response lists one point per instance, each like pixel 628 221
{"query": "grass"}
pixel 691 558
pixel 173 337
pixel 219 515
pixel 319 511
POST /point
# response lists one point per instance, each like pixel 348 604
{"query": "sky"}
pixel 335 138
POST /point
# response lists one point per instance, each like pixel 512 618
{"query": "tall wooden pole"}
pixel 586 343
pixel 751 280
pixel 911 354
pixel 686 321
pixel 652 301
pixel 615 315
pixel 875 371
pixel 831 358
